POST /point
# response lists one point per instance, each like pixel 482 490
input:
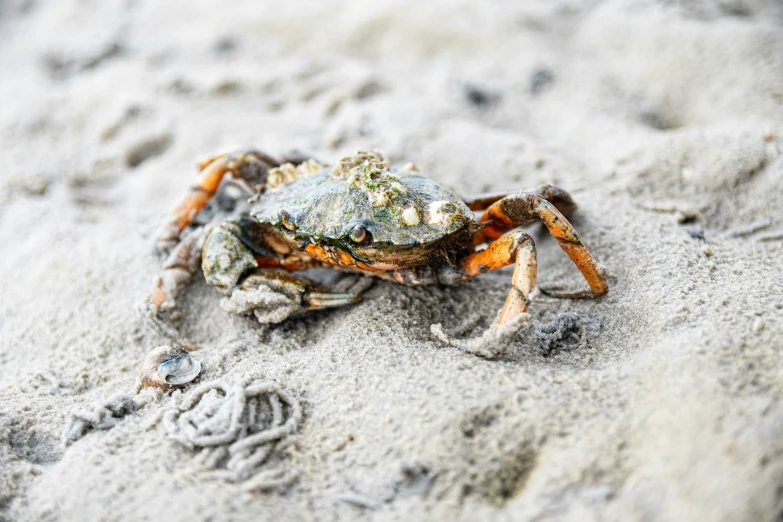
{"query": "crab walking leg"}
pixel 177 273
pixel 483 201
pixel 205 188
pixel 183 215
pixel 178 270
pixel 518 248
pixel 519 209
pixel 251 166
pixel 558 197
pixel 317 300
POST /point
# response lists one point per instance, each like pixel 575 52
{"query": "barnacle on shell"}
pixel 441 212
pixel 369 162
pixel 410 216
pixel 169 366
pixel 287 172
pixel 369 172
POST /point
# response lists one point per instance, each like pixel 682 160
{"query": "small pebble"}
pixel 358 500
pixel 597 495
pixel 368 90
pixel 35 185
pixel 697 233
pixel 707 251
pixel 147 148
pixel 224 45
pixel 758 325
pixel 540 80
pixel 226 87
pixel 479 96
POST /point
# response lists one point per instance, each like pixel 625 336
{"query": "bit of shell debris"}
pixel 358 500
pixel 168 366
pixel 758 325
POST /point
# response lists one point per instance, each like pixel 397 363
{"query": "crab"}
pixel 361 216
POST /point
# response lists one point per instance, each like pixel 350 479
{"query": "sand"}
pixel 663 119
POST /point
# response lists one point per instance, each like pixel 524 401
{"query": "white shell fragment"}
pixel 169 366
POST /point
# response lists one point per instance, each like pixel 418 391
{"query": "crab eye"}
pixel 358 234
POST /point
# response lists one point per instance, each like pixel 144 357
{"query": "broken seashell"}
pixel 169 366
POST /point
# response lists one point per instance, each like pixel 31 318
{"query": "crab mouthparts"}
pixel 393 257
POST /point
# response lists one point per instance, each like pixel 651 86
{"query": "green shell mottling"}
pixel 328 205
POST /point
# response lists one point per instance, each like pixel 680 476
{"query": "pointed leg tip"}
pixel 492 343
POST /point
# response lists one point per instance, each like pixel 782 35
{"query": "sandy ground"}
pixel 662 118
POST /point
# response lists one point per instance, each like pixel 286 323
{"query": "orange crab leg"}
pixel 178 269
pixel 482 201
pixel 558 197
pixel 518 248
pixel 208 183
pixel 213 170
pixel 519 209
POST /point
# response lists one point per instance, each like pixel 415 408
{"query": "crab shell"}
pixel 399 209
